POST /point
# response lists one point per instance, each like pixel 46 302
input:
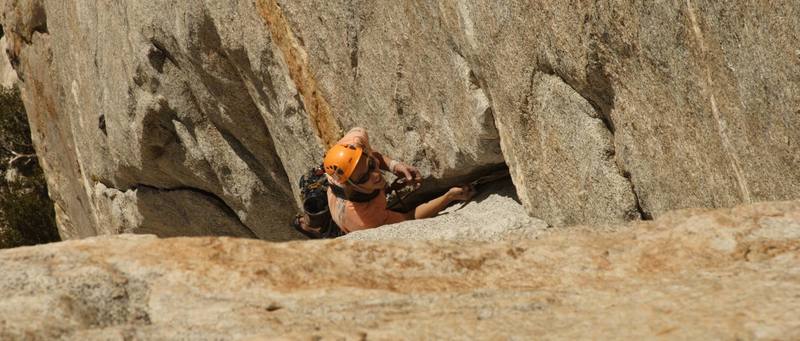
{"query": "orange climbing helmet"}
pixel 341 160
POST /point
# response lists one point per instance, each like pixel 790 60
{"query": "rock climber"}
pixel 357 191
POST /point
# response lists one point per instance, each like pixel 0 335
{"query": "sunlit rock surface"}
pixel 691 274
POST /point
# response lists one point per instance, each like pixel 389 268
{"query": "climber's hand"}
pixel 410 173
pixel 462 193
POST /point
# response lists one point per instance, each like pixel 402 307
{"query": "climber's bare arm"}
pixel 433 207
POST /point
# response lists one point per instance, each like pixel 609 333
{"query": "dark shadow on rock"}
pixel 432 188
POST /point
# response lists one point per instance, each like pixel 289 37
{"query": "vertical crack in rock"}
pixel 644 215
pixel 708 88
pixel 326 125
pixel 399 97
pixel 234 69
pixel 600 94
pixel 353 28
pixel 479 90
pixel 158 55
pixel 565 157
pixel 255 165
pixel 488 130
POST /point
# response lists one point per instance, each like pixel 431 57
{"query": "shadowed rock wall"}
pixel 604 111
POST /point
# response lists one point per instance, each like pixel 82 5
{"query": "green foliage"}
pixel 26 211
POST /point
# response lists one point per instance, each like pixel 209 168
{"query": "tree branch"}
pixel 18 156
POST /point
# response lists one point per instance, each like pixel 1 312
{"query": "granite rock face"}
pixel 155 97
pixel 701 97
pixel 565 157
pixel 603 111
pixel 691 274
